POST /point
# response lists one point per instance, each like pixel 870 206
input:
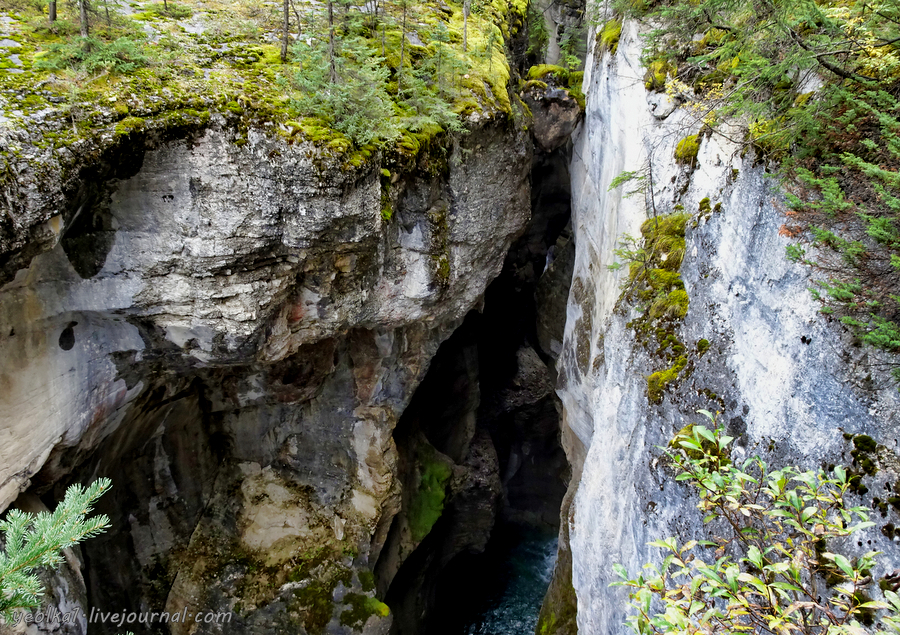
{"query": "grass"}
pixel 221 58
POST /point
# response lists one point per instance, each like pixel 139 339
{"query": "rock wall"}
pixel 786 380
pixel 231 333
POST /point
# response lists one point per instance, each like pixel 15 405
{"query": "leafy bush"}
pixel 122 55
pixel 776 569
pixel 36 540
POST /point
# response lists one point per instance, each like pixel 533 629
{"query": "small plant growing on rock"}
pixel 774 570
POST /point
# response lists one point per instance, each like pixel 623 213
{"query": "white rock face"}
pixel 216 254
pixel 775 365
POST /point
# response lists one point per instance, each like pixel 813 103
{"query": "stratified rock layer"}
pixel 231 334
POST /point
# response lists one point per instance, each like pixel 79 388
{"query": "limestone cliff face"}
pixel 231 334
pixel 774 366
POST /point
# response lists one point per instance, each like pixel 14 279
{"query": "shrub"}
pixel 774 569
pixel 122 55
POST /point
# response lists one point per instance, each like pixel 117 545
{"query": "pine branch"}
pixel 37 540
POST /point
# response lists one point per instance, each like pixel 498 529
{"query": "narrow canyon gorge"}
pixel 320 417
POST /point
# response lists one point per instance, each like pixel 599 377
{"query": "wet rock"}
pixel 555 113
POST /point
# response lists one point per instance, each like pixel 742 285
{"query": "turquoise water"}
pixel 499 592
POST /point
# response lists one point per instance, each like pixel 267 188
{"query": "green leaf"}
pixel 842 563
pixel 874 605
pixel 755 556
pixel 706 433
pixel 621 571
pixel 840 473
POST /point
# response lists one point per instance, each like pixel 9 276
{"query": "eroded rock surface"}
pixel 231 334
pixel 756 348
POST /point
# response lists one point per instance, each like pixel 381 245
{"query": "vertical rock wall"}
pixel 786 380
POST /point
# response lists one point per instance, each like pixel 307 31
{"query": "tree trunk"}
pixel 332 74
pixel 402 49
pixel 466 6
pixel 287 25
pixel 83 16
pixel 52 10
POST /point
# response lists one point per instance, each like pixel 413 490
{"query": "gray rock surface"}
pixel 231 333
pixel 555 114
pixel 775 367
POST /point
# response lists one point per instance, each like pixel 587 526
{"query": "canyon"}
pixel 313 411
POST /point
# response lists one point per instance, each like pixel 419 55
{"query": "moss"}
pixel 654 280
pixel 705 206
pixel 864 443
pixel 317 606
pixel 427 502
pixel 673 305
pixel 547 623
pixel 657 382
pixel 129 125
pixel 657 72
pixel 534 83
pixel 361 608
pixel 687 149
pixel 541 71
pixel 702 346
pixel 575 81
pixel 367 580
pixel 608 36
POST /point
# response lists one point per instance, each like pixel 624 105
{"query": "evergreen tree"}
pixel 33 541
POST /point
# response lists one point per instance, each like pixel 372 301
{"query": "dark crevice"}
pixel 487 411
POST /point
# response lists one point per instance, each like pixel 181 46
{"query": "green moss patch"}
pixel 654 283
pixel 360 609
pixel 427 503
pixel 316 605
pixel 541 71
pixel 608 36
pixel 687 149
pixel 658 71
pixel 657 382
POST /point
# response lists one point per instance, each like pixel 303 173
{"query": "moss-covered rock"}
pixel 427 502
pixel 542 71
pixel 360 608
pixel 657 72
pixel 687 149
pixel 608 36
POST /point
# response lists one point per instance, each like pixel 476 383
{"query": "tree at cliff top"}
pixel 399 73
pixel 773 563
pixel 343 81
pixel 818 85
